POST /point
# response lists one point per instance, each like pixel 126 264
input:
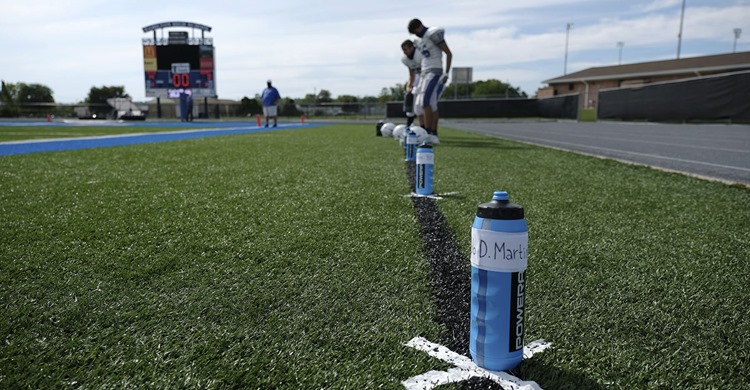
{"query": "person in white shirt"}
pixel 433 79
pixel 412 59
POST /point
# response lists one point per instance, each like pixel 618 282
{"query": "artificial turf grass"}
pixel 613 319
pixel 250 261
pixel 636 276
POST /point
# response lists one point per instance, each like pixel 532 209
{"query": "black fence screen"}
pixel 725 97
pixel 563 107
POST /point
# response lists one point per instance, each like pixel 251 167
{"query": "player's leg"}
pixel 409 108
pixel 431 81
pixel 419 104
pixel 436 113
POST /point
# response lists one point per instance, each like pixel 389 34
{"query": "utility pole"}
pixel 567 36
pixel 620 45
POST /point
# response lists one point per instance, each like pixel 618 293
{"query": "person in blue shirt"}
pixel 270 98
pixel 189 117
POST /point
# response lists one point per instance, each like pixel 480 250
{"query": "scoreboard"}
pixel 178 64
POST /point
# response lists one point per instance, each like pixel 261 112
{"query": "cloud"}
pixel 658 5
pixel 312 45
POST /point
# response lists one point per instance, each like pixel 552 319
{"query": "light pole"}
pixel 619 46
pixel 567 36
pixel 737 32
pixel 679 35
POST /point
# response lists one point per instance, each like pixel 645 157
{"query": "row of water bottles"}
pixel 499 258
pixel 415 141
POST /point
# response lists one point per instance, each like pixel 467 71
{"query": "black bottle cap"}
pixel 500 208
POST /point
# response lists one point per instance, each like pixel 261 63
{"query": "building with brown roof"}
pixel 590 81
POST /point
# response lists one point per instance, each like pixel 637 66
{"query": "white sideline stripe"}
pixel 535 347
pixel 432 379
pixel 441 352
pixel 125 135
pixel 465 368
pixel 431 196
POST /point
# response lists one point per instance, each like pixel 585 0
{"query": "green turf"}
pixel 291 260
pixel 271 260
pixel 587 115
pixel 639 277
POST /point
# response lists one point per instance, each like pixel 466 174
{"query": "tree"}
pixel 394 93
pixel 249 107
pixel 483 89
pixel 97 98
pixel 494 87
pixel 19 99
pixel 287 107
pixel 34 93
pixel 385 95
pixel 324 96
pixel 8 107
pixel 347 99
pixel 309 99
pixel 351 103
pixel 8 93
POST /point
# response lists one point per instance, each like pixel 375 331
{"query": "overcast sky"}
pixel 352 47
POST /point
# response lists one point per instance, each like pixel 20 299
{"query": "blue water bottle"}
pixel 425 164
pixel 499 257
pixel 411 145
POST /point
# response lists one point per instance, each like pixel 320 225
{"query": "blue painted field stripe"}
pixel 40 146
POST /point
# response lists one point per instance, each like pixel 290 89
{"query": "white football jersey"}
pixel 432 56
pixel 414 63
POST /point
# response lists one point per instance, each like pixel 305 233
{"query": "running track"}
pixel 713 151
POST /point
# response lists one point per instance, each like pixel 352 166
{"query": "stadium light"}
pixel 737 32
pixel 679 35
pixel 567 35
pixel 620 46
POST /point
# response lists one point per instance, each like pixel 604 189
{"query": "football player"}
pixel 433 79
pixel 412 59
